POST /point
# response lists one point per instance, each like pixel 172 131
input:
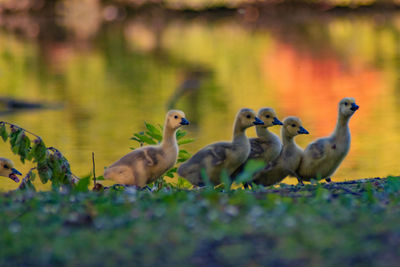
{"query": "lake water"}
pixel 107 78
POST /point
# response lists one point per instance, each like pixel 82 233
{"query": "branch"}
pixel 14 125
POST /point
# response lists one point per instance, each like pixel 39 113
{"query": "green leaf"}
pixel 3 131
pixel 180 133
pixel 82 185
pixel 205 178
pixel 32 175
pixel 171 172
pixel 15 140
pixel 226 180
pixel 39 151
pixel 24 146
pixel 153 131
pixel 251 167
pixel 185 141
pixel 183 154
pixel 145 139
pixel 44 172
pixel 26 185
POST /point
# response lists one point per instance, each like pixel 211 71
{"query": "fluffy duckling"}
pixel 267 146
pixel 7 170
pixel 145 165
pixel 213 159
pixel 323 156
pixel 289 158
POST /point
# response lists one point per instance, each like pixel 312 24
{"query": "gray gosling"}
pixel 214 158
pixel 146 164
pixel 323 156
pixel 288 160
pixel 7 169
pixel 267 146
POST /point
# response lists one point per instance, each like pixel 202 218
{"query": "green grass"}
pixel 355 223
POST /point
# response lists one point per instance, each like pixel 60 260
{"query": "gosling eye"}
pixel 248 116
pixel 293 125
pixel 6 166
pixel 345 103
pixel 267 116
pixel 175 116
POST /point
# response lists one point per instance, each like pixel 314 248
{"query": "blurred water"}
pixel 109 78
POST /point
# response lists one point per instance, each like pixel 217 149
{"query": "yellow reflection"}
pixel 105 93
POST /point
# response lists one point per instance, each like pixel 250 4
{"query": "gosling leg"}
pixel 246 185
pixel 300 182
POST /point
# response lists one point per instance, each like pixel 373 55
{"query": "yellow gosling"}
pixel 323 156
pixel 288 160
pixel 145 165
pixel 213 159
pixel 7 169
pixel 267 146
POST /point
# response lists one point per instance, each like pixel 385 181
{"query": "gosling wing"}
pixel 317 149
pixel 258 147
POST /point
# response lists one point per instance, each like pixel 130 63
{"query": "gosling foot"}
pixel 328 180
pixel 300 182
pixel 246 185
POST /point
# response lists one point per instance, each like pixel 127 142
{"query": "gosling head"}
pixel 348 106
pixel 268 116
pixel 175 119
pixel 247 117
pixel 293 126
pixel 7 169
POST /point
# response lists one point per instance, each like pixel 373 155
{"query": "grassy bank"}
pixel 355 223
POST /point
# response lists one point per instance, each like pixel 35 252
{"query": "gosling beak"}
pixel 184 121
pixel 276 121
pixel 302 130
pixel 354 106
pixel 13 175
pixel 258 122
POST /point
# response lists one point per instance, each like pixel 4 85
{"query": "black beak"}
pixel 184 121
pixel 302 130
pixel 354 106
pixel 13 175
pixel 258 122
pixel 15 171
pixel 276 121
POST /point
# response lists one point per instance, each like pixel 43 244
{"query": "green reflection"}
pixel 132 71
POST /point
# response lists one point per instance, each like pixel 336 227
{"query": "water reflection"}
pixel 112 77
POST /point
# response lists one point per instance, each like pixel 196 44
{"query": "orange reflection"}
pixel 311 86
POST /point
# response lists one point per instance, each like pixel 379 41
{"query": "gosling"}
pixel 145 165
pixel 288 160
pixel 7 170
pixel 323 156
pixel 213 159
pixel 267 146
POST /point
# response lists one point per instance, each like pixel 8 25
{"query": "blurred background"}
pixel 85 74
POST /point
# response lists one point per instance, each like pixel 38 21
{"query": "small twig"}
pixel 342 188
pixel 26 178
pixel 94 169
pixel 14 125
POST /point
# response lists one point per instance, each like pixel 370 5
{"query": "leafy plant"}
pixel 51 165
pixel 152 136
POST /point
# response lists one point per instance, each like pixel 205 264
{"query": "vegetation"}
pixel 350 223
pixel 51 165
pixel 313 225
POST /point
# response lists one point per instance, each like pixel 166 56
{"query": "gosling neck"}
pixel 287 138
pixel 342 125
pixel 263 132
pixel 239 133
pixel 169 137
